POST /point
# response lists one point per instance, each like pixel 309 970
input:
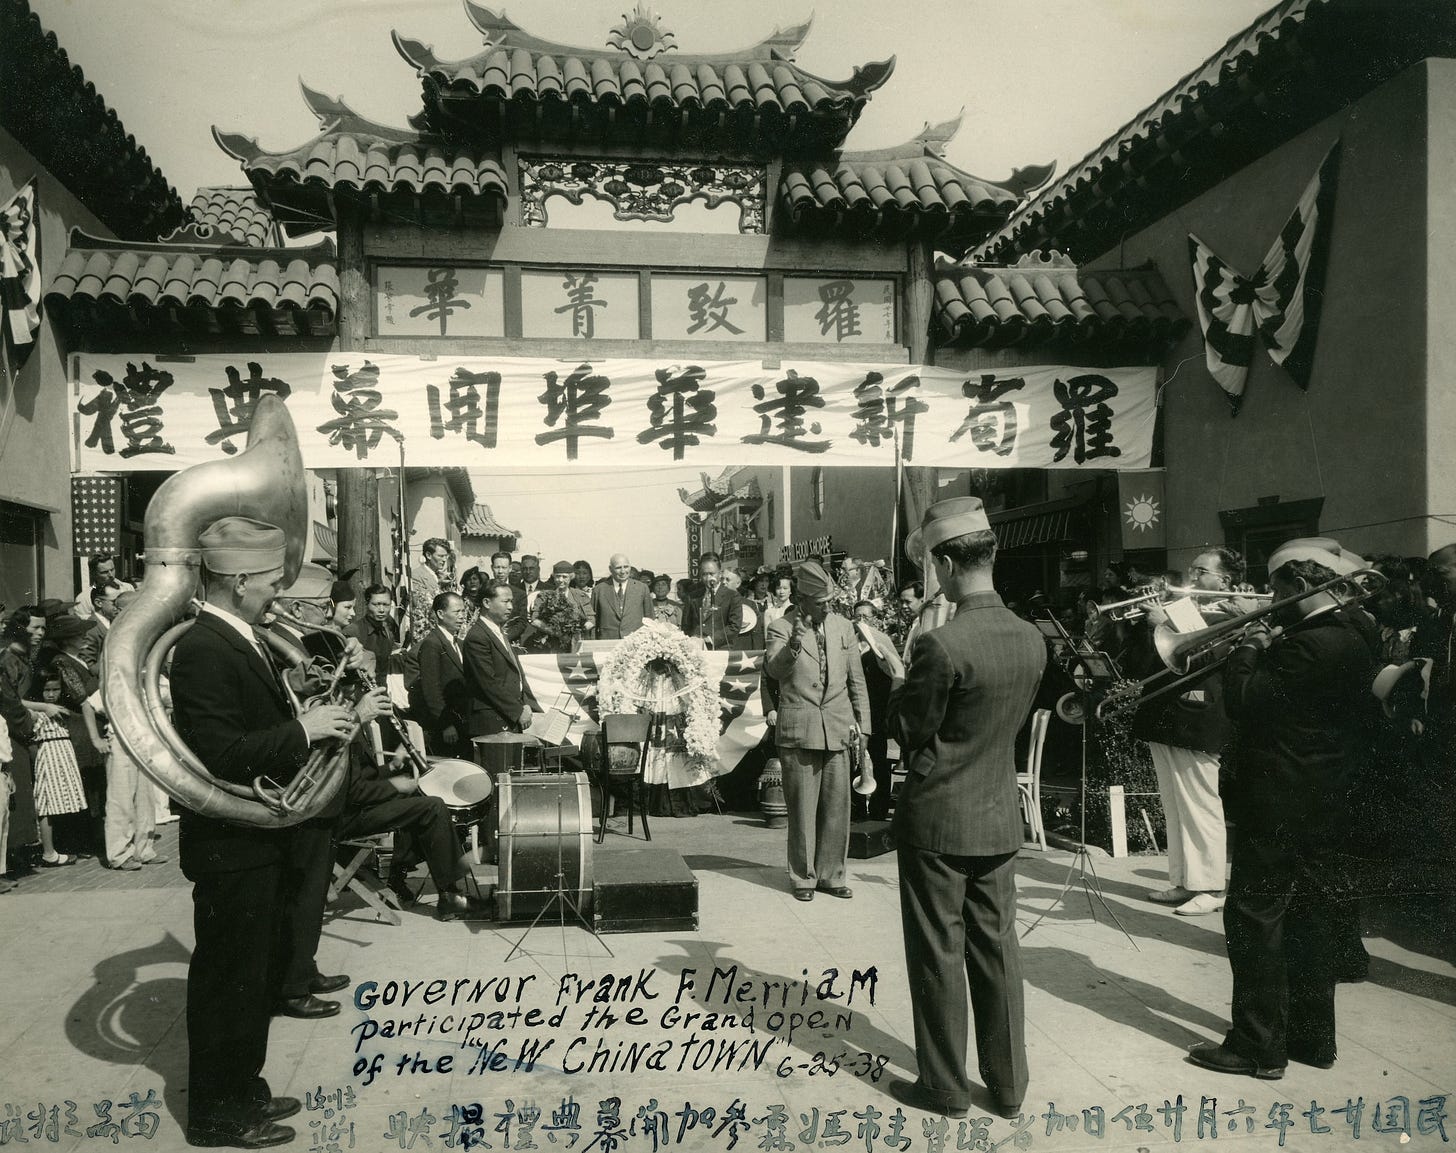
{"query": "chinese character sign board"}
pixel 839 311
pixel 579 304
pixel 710 308
pixel 96 515
pixel 354 409
pixel 438 300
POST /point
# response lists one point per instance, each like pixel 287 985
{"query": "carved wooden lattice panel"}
pixel 642 190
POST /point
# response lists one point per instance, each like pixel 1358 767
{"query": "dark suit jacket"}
pixel 815 714
pixel 441 696
pixel 231 710
pixel 613 622
pixel 519 619
pixel 1300 709
pixel 494 681
pixel 966 694
pixel 717 619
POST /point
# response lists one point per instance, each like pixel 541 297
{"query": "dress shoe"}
pixel 308 1007
pixel 1171 896
pixel 322 984
pixel 1207 1055
pixel 154 860
pixel 914 1095
pixel 1005 1109
pixel 263 1135
pixel 843 892
pixel 281 1108
pixel 803 894
pixel 1199 905
pixel 453 905
pixel 130 865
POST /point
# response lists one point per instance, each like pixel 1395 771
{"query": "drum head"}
pixel 458 783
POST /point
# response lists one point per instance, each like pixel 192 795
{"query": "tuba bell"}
pixel 265 481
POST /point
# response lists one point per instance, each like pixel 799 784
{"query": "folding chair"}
pixel 1028 784
pixel 375 894
pixel 624 730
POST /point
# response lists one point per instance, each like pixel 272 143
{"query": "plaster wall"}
pixel 1440 457
pixel 1362 437
pixel 35 454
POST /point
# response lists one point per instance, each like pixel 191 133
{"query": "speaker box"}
pixel 643 890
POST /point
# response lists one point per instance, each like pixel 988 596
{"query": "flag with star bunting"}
pixel 741 725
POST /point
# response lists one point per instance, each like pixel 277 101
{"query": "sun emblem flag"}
pixel 1140 500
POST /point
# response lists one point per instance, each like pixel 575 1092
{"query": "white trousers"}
pixel 1188 784
pixel 131 809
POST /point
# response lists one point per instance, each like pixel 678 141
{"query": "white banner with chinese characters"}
pixel 136 413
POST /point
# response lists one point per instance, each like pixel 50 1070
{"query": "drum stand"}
pixel 561 900
pixel 1081 867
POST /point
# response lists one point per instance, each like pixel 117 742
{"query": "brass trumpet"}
pixel 1135 608
pixel 1193 656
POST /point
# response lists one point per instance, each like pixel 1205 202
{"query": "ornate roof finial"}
pixel 641 34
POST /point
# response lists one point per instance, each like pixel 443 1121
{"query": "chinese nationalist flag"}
pixel 1140 508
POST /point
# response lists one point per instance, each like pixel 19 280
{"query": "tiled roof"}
pixel 48 105
pixel 1052 302
pixel 715 492
pixel 773 96
pixel 481 522
pixel 909 187
pixel 192 287
pixel 236 213
pixel 356 156
pixel 1298 63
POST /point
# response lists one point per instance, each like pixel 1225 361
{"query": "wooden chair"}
pixel 624 730
pixel 1028 784
pixel 376 895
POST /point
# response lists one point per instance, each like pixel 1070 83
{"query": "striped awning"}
pixel 325 542
pixel 1044 523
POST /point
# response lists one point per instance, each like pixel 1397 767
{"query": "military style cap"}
pixel 814 582
pixel 238 544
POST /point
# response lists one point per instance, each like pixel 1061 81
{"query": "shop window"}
pixel 21 533
pixel 1257 531
pixel 816 486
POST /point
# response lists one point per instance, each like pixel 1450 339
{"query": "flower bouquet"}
pixel 559 622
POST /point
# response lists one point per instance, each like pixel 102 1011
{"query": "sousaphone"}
pixel 265 482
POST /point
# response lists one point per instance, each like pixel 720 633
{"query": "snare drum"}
pixel 543 817
pixel 465 788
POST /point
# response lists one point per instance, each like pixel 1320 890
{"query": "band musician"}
pixel 232 711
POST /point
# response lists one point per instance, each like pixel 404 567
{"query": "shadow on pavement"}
pixel 123 1020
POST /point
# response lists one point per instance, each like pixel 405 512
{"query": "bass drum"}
pixel 544 818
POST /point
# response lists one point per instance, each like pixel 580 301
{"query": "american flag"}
pixel 20 273
pixel 96 515
pixel 1283 297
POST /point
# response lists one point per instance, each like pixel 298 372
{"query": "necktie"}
pixel 819 639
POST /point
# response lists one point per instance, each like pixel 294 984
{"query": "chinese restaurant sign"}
pixel 353 409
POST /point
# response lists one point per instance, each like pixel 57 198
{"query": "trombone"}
pixel 1194 655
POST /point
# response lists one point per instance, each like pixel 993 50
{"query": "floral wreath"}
pixel 630 678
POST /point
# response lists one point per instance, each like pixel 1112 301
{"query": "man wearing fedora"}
pixel 969 688
pixel 815 684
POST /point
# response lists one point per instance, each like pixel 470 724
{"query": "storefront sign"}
pixel 804 549
pixel 353 409
pixel 710 308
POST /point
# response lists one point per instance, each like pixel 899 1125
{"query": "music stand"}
pixel 1092 674
pixel 560 899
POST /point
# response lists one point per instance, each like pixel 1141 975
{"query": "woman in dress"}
pixel 472 588
pixel 58 787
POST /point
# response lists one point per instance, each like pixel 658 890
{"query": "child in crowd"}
pixel 58 787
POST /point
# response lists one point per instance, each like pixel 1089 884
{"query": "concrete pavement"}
pixel 91 1009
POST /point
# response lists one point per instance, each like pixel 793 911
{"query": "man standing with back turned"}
pixel 957 823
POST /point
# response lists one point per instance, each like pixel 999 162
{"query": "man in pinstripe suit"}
pixel 957 824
